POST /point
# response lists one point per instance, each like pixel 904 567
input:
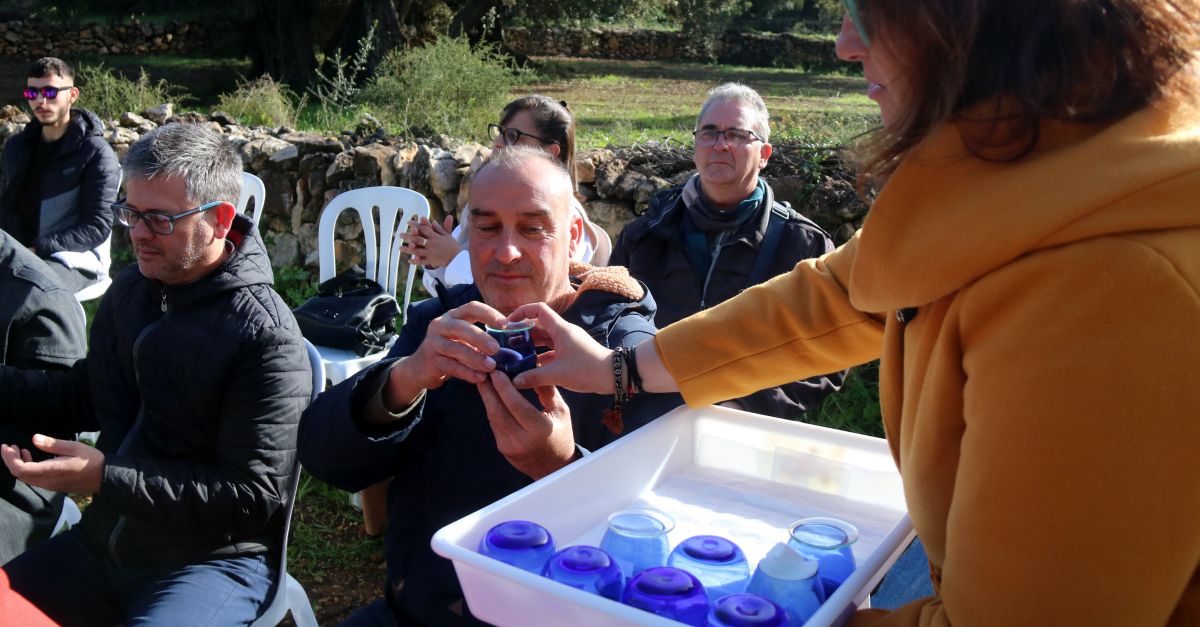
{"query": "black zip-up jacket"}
pixel 78 187
pixel 197 391
pixel 652 248
pixel 444 461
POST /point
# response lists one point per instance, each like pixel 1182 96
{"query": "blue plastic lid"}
pixel 709 549
pixel 738 610
pixel 665 581
pixel 584 559
pixel 518 534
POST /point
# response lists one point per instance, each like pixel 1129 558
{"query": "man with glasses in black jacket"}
pixel 196 377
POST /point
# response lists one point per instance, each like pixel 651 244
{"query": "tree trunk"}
pixel 360 17
pixel 281 44
pixel 469 20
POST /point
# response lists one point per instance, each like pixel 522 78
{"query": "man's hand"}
pixel 78 468
pixel 535 441
pixel 453 347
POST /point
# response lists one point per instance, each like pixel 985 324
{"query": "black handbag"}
pixel 349 312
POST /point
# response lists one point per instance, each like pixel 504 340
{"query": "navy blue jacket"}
pixel 445 462
pixel 652 248
pixel 78 187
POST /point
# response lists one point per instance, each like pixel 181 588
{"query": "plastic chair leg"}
pixel 298 605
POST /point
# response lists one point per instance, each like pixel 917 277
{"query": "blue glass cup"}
pixel 827 540
pixel 746 610
pixel 637 539
pixel 790 580
pixel 520 543
pixel 718 563
pixel 517 352
pixel 587 568
pixel 668 592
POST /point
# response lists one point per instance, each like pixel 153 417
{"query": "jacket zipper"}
pixel 137 424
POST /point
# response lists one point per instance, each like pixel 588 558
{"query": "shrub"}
pixel 856 407
pixel 260 102
pixel 108 94
pixel 447 86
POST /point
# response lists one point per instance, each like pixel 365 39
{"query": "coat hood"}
pixel 951 218
pixel 603 295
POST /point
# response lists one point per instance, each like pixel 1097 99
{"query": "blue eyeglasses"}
pixel 158 222
pixel 856 18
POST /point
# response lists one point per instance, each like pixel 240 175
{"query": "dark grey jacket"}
pixel 652 248
pixel 196 391
pixel 79 186
pixel 445 461
pixel 41 327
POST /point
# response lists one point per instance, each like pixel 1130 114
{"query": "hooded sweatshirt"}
pixel 1038 324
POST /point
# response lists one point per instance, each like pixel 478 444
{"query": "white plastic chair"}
pixel 289 595
pixel 97 289
pixel 252 187
pixel 397 205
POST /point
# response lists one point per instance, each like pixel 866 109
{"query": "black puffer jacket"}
pixel 197 391
pixel 78 187
pixel 445 463
pixel 652 248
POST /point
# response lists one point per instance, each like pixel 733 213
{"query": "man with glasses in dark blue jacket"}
pixel 59 177
pixel 196 378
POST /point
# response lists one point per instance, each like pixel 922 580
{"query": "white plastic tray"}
pixel 716 471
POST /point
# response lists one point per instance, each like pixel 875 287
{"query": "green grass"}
pixel 856 407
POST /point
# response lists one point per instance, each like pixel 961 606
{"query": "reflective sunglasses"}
pixel 49 92
pixel 856 18
pixel 734 137
pixel 158 222
pixel 512 135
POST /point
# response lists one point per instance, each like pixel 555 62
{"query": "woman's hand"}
pixel 576 361
pixel 431 245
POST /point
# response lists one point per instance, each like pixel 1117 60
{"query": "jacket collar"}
pixel 81 125
pixel 667 224
pixel 945 218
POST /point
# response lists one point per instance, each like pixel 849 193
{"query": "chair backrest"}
pixel 318 382
pixel 397 206
pixel 252 187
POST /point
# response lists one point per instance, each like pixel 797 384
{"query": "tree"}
pixel 283 45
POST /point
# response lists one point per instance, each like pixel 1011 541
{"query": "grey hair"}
pixel 741 94
pixel 202 158
pixel 516 157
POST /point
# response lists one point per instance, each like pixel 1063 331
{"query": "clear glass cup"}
pixel 827 540
pixel 587 568
pixel 520 543
pixel 517 352
pixel 746 610
pixel 790 580
pixel 668 592
pixel 718 563
pixel 637 539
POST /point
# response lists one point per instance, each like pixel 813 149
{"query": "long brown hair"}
pixel 553 121
pixel 1073 60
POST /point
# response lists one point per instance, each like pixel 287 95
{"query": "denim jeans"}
pixel 908 579
pixel 75 583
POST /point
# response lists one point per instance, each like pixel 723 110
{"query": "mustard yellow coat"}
pixel 1043 405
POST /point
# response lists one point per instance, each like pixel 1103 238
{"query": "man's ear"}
pixel 73 95
pixel 576 233
pixel 764 154
pixel 225 213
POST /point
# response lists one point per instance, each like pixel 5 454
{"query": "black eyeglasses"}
pixel 158 222
pixel 734 137
pixel 32 93
pixel 512 135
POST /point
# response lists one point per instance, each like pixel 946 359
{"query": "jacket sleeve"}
pixel 267 388
pixel 1075 493
pixel 336 447
pixel 98 191
pixel 798 324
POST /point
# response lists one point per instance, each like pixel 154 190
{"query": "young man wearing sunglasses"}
pixel 58 178
pixel 701 244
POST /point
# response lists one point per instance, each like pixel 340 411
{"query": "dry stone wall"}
pixel 303 171
pixel 30 39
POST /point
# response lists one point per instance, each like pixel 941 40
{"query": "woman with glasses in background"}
pixel 1029 276
pixel 533 121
